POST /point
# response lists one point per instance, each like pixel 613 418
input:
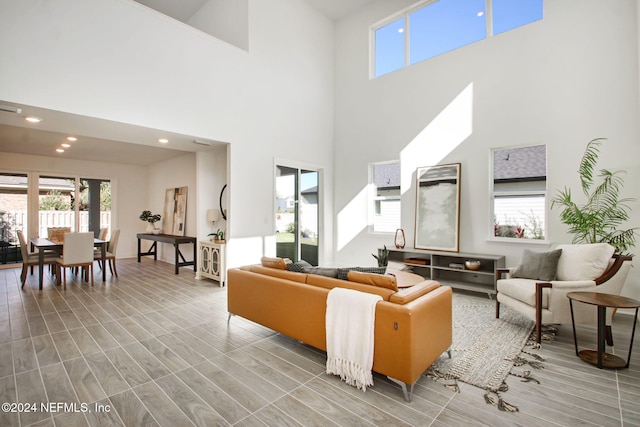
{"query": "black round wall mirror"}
pixel 223 211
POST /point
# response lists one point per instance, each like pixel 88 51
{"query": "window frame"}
pixel 375 199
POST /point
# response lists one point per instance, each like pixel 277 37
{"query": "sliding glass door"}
pixel 13 215
pixel 95 204
pixel 57 198
pixel 296 214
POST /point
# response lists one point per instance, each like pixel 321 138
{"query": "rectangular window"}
pixel 519 192
pixel 422 32
pixel 385 183
pixel 444 26
pixel 510 14
pixel 389 42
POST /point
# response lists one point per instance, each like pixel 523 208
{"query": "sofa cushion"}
pixel 342 272
pixel 279 273
pixel 538 265
pixel 584 262
pixel 274 262
pixel 373 279
pixel 409 294
pixel 298 265
pixel 321 271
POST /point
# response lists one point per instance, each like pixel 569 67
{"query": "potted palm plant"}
pixel 602 218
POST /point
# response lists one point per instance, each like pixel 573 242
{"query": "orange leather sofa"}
pixel 413 326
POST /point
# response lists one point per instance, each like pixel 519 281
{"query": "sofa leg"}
pixel 449 353
pixel 407 392
pixel 229 317
pixel 497 308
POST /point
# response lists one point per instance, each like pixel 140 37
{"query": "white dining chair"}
pixel 77 251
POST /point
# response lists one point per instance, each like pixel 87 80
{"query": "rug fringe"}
pixel 526 377
pixel 493 398
pixel 439 377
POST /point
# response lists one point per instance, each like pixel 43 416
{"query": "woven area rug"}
pixel 486 350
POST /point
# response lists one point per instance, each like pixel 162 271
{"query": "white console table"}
pixel 211 262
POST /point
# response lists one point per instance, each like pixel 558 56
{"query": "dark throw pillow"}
pixel 342 272
pixel 298 266
pixel 321 271
pixel 538 265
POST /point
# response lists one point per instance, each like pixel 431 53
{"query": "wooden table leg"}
pixel 40 266
pixel 602 320
pixel 195 256
pixel 177 261
pixel 104 261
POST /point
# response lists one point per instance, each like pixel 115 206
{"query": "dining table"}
pixel 45 245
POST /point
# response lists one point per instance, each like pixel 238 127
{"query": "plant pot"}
pixel 156 231
pixel 150 228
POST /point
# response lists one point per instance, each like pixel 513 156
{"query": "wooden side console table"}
pixel 211 262
pixel 176 241
pixel 600 358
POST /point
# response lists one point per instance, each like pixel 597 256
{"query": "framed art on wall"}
pixel 438 207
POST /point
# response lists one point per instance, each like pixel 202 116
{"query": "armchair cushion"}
pixel 584 262
pixel 523 290
pixel 538 265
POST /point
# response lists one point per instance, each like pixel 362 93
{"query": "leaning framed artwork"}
pixel 175 210
pixel 438 207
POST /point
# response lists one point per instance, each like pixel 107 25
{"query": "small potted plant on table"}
pixel 151 219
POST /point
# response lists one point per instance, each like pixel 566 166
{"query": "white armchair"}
pixel 588 267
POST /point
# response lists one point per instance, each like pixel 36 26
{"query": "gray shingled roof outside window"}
pixel 386 175
pixel 521 162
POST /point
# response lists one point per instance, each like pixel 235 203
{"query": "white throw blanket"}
pixel 349 321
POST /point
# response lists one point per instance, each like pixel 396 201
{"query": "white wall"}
pixel 129 188
pixel 561 81
pixel 117 60
pixel 224 19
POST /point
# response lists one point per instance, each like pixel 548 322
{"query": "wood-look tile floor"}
pixel 154 348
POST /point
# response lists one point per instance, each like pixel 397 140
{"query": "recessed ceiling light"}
pixel 59 150
pixel 65 145
pixel 72 138
pixel 33 119
pixel 163 140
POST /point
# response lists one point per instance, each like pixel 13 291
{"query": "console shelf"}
pixel 448 268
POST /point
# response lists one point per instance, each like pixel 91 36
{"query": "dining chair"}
pixel 111 253
pixel 102 234
pixel 77 251
pixel 30 259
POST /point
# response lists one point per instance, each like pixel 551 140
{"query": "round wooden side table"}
pixel 600 358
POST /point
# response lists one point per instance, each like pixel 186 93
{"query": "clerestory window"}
pixel 429 29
